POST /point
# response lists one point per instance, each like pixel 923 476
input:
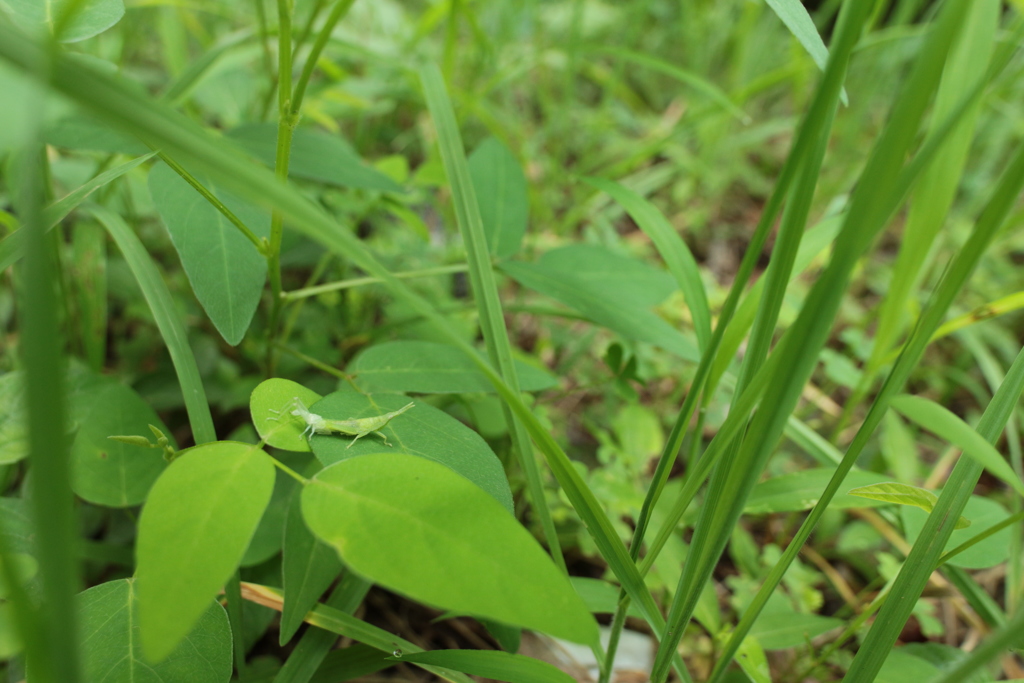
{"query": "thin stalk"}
pixel 492 321
pixel 319 365
pixel 52 501
pixel 260 244
pixel 1009 634
pixel 268 58
pixel 286 122
pixel 339 10
pixel 308 27
pixel 361 281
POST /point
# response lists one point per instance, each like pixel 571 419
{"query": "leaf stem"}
pixel 260 243
pixel 339 10
pixel 289 471
pixel 360 281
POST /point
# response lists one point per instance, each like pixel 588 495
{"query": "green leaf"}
pixel 431 368
pixel 900 667
pixel 82 132
pixel 16 529
pixel 13 425
pixel 801 491
pixel 600 596
pixel 267 540
pixel 781 630
pixel 424 431
pixel 794 15
pixel 502 196
pixel 947 425
pixel 193 531
pixel 225 269
pixel 91 16
pixel 344 624
pixel 112 653
pixel 492 664
pixel 172 330
pixel 610 290
pixel 315 156
pixel 349 663
pixel 415 527
pixel 984 514
pixel 105 471
pixel 903 494
pixel 308 569
pixel 265 404
pixel 673 250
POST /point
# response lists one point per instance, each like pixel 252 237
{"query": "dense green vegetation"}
pixel 350 339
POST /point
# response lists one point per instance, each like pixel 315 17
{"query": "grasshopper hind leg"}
pixel 381 435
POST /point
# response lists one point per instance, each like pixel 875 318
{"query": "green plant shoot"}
pixel 358 427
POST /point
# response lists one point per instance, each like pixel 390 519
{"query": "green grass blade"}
pixel 303 662
pixel 871 204
pixel 794 15
pixel 492 664
pixel 937 529
pixel 673 250
pixel 344 624
pixel 949 426
pixel 52 501
pixel 485 289
pixel 988 225
pixel 1008 635
pixel 167 320
pixel 938 186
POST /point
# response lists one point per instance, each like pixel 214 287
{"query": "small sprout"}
pixel 162 442
pixel 140 441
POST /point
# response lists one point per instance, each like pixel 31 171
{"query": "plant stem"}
pixel 360 281
pixel 340 10
pixel 285 127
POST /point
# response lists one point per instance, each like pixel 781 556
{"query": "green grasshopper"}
pixel 359 427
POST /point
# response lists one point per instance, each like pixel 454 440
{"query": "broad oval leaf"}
pixel 225 269
pixel 500 188
pixel 91 16
pixel 416 527
pixel 315 156
pixel 608 289
pixel 104 471
pixel 266 404
pixel 430 368
pixel 424 431
pixel 16 528
pixel 946 424
pixel 491 664
pixel 193 531
pixel 983 513
pixel 13 419
pixel 801 491
pixel 112 653
pixel 903 494
pixel 307 569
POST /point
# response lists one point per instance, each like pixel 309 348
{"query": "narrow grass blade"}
pixel 303 664
pixel 988 225
pixel 949 426
pixel 56 528
pixel 485 289
pixel 937 529
pixel 794 15
pixel 938 186
pixel 343 624
pixel 673 250
pixel 167 320
pixel 870 206
pixel 1008 635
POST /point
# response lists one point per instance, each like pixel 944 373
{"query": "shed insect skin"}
pixel 358 427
